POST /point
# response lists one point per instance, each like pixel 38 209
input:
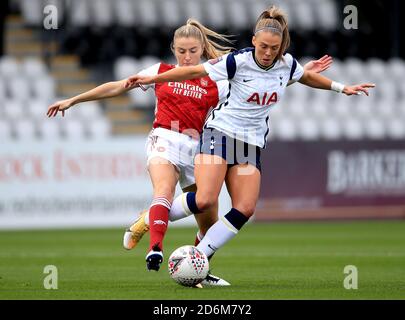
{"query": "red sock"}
pixel 158 220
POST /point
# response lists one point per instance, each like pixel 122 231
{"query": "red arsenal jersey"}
pixel 182 105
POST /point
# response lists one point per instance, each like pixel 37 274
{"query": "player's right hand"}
pixel 137 80
pixel 61 106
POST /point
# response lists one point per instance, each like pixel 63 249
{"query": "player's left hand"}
pixel 358 89
pixel 319 65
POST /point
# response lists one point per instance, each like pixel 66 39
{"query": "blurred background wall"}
pixel 329 156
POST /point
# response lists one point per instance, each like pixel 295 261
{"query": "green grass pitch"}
pixel 265 261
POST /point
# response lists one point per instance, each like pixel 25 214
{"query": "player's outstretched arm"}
pixel 106 90
pixel 176 74
pixel 316 80
pixel 317 66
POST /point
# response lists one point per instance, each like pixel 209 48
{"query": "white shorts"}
pixel 175 147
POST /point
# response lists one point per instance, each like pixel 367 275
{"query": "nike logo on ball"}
pixel 247 80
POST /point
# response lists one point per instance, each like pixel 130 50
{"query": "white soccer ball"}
pixel 188 266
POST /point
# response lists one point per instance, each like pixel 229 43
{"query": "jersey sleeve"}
pixel 296 69
pixel 222 68
pixel 150 71
pixel 223 89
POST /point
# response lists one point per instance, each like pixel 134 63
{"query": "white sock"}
pixel 179 209
pixel 220 233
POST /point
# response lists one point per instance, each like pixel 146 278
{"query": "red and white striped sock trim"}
pixel 199 235
pixel 161 201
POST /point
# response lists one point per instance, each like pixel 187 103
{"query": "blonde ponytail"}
pixel 209 39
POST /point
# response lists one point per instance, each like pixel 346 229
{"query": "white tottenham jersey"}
pixel 252 91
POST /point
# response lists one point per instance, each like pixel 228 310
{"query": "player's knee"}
pixel 248 209
pixel 206 202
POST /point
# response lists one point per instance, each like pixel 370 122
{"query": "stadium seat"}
pixel 19 88
pixel 125 13
pixel 362 107
pixel 5 130
pixel 376 70
pixel 374 129
pixel 353 69
pixel 102 13
pixel 297 108
pixel 44 88
pixel 125 67
pixel 142 99
pixel 285 129
pixel 395 128
pixel 387 91
pixel 148 13
pixel 341 107
pixel 147 62
pixel 238 14
pixel 353 129
pixel 171 14
pixel 2 91
pixel 99 129
pixel 299 92
pixel 73 129
pixel 396 68
pixel 37 109
pixel 308 129
pixel 192 9
pixel 49 129
pixel 305 15
pixel 9 67
pixel 215 14
pixel 79 13
pixel 320 105
pixel 25 129
pixel 326 14
pixel 330 128
pixel 13 109
pixel 32 11
pixel 33 68
pixel 88 111
pixel 386 110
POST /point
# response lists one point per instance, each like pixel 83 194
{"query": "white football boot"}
pixel 212 280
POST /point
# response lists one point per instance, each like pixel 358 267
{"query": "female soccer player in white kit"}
pixel 181 109
pixel 236 130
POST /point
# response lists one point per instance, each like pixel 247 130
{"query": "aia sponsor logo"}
pixel 265 100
